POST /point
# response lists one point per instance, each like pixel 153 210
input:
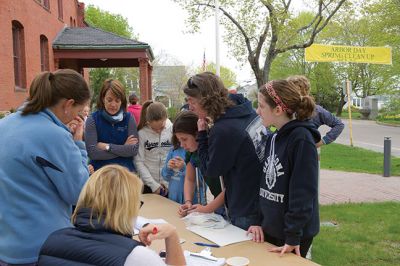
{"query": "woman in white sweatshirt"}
pixel 155 132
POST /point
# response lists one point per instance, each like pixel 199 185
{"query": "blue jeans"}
pixel 245 222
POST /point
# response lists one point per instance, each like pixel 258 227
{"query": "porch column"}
pixel 150 85
pixel 144 80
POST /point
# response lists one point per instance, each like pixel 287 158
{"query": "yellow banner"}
pixel 354 54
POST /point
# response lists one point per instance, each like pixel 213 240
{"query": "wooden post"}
pixel 349 110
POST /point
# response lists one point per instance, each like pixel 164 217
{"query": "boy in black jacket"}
pixel 288 190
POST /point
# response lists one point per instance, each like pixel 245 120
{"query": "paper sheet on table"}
pixel 197 261
pixel 222 237
pixel 140 221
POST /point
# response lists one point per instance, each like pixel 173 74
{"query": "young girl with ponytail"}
pixel 288 191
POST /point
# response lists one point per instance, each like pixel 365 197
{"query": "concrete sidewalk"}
pixel 340 187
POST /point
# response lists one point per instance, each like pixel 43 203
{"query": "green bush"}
pixel 172 112
pixel 1 115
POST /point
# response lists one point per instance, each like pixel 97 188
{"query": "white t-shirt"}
pixel 143 256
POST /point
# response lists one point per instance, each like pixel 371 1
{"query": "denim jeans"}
pixel 245 222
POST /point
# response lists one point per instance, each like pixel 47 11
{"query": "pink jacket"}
pixel 135 111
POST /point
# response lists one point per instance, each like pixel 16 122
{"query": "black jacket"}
pixel 233 148
pixel 289 187
pixel 86 245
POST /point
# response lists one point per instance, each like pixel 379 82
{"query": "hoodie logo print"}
pixel 272 169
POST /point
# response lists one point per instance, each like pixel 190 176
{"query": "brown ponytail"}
pixel 48 88
pixel 152 111
pixel 302 107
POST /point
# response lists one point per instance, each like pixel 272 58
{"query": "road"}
pixel 368 135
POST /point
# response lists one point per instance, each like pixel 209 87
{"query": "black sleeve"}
pixel 303 189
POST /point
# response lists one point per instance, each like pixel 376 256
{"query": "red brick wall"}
pixel 36 20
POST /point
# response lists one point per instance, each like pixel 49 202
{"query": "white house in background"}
pixel 361 102
pixel 166 82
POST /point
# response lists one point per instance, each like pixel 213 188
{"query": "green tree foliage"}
pixel 259 30
pixel 107 21
pixel 227 76
pixel 119 25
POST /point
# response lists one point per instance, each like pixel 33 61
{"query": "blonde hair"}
pixel 302 84
pixel 112 193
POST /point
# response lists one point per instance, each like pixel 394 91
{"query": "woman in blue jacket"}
pixel 42 164
pixel 111 134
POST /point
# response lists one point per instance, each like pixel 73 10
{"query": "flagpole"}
pixel 217 63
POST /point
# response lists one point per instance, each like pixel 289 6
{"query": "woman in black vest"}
pixel 104 219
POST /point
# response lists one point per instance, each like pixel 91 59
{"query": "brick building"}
pixel 29 30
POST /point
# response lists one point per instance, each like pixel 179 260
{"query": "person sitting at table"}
pixel 104 220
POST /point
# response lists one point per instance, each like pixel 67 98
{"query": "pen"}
pixel 206 245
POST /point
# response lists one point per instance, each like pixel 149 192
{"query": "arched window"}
pixel 70 22
pixel 19 54
pixel 44 53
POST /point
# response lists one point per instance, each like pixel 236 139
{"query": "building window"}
pixel 71 22
pixel 44 53
pixel 19 54
pixel 46 4
pixel 60 9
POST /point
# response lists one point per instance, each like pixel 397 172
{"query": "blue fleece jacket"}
pixel 42 171
pixel 176 179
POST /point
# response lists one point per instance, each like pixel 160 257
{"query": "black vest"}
pixel 86 245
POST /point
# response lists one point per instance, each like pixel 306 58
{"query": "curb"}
pixel 386 124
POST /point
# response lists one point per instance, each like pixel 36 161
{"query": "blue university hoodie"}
pixel 42 171
pixel 234 148
pixel 289 186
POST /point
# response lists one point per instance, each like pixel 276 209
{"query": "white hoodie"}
pixel 153 150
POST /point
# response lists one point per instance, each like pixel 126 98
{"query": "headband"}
pixel 276 99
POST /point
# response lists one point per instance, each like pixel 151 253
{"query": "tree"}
pixel 119 25
pixel 262 29
pixel 227 76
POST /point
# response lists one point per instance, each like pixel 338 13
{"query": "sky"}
pixel 161 24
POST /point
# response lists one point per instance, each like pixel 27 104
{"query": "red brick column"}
pixel 144 80
pixel 150 85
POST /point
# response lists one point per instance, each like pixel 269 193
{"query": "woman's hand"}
pixel 102 146
pixel 131 140
pixel 91 169
pixel 163 231
pixel 76 128
pixel 162 190
pixel 319 144
pixel 200 208
pixel 171 164
pixel 202 124
pixel 179 162
pixel 184 208
pixel 257 232
pixel 286 249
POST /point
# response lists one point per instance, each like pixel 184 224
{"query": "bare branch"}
pixel 237 24
pixel 316 29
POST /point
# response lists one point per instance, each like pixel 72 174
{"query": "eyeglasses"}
pixel 191 84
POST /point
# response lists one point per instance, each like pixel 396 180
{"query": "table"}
pixel 156 206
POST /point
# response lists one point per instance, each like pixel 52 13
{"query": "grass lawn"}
pixel 352 159
pixel 354 115
pixel 366 234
